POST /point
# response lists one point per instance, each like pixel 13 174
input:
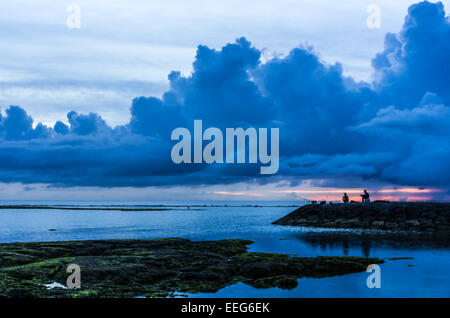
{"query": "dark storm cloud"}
pixel 395 129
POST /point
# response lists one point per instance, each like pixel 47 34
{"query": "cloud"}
pixel 416 60
pixel 17 124
pixel 90 124
pixel 429 118
pixel 393 130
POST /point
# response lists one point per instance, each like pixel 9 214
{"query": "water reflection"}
pixel 365 240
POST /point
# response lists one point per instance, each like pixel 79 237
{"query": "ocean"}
pixel 425 275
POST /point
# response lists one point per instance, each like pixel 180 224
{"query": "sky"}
pixel 357 106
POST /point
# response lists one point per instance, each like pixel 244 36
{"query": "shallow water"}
pixel 424 276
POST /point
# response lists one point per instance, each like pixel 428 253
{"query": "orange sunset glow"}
pixel 334 194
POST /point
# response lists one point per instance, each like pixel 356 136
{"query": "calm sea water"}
pixel 426 275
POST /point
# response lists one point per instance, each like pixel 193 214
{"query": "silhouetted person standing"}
pixel 365 196
pixel 345 198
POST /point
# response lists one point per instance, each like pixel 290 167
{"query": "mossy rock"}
pixel 156 268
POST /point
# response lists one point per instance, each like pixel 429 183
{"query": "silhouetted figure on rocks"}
pixel 365 196
pixel 345 198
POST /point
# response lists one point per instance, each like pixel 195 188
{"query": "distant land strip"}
pixel 132 207
pixel 41 207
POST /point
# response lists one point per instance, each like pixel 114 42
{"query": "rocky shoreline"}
pixel 410 216
pixel 156 268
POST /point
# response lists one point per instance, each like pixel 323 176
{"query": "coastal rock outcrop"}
pixel 156 268
pixel 417 216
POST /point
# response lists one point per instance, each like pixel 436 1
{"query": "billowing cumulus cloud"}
pixel 416 60
pixel 394 129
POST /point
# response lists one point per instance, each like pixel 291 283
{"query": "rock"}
pixel 391 225
pixel 412 222
pixel 203 275
pixel 426 216
pixel 258 270
pixel 427 225
pixel 351 221
pixel 378 224
pixel 157 268
pixel 444 227
pixel 286 283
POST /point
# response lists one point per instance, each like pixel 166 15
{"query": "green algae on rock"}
pixel 156 268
